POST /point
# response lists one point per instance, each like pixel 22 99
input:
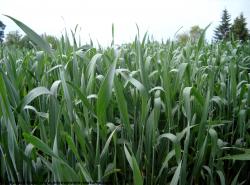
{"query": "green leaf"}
pixel 85 173
pixel 41 114
pixel 235 180
pixel 137 174
pixel 72 146
pixel 33 36
pixel 82 97
pixel 238 157
pixel 91 72
pixel 105 148
pixel 134 166
pixel 34 93
pixel 104 94
pixel 187 102
pixel 67 94
pixel 176 176
pixel 222 177
pixel 122 105
pixel 128 156
pixel 39 144
pixel 169 156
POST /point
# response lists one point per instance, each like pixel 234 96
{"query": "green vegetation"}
pixel 239 28
pixel 237 31
pixel 16 40
pixel 13 38
pixel 144 113
pixel 222 32
pixel 193 35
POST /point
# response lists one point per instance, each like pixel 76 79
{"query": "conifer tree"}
pixel 222 32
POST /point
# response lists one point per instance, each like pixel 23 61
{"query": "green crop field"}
pixel 141 113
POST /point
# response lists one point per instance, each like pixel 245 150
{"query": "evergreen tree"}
pixel 2 27
pixel 239 28
pixel 223 30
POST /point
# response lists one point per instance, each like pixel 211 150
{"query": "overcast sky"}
pixel 161 18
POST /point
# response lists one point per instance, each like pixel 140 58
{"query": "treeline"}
pixel 227 31
pixel 224 31
pixel 14 38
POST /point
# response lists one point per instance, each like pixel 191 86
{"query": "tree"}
pixel 2 27
pixel 13 38
pixel 239 28
pixel 183 38
pixel 195 33
pixel 222 32
pixel 16 39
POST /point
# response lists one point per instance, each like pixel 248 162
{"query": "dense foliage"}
pixel 237 31
pixel 239 28
pixel 141 113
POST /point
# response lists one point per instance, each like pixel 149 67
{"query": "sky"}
pixel 160 18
